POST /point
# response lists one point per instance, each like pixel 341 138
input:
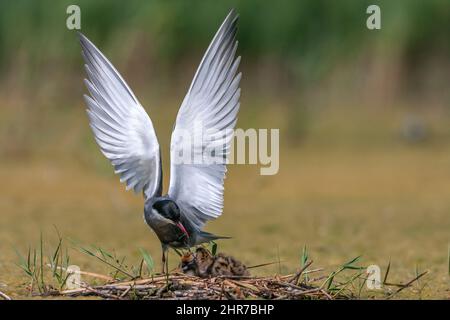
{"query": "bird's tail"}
pixel 204 236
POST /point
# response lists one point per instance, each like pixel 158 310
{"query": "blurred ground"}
pixel 339 197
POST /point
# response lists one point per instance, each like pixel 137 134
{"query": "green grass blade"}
pixel 305 256
pixel 148 260
pixel 387 272
pixel 213 248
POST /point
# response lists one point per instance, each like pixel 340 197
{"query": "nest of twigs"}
pixel 230 280
pixel 183 287
pixel 179 286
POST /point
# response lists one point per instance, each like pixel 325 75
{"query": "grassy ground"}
pixel 341 197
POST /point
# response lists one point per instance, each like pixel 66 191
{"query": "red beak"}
pixel 182 228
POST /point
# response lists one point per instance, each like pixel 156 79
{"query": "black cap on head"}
pixel 168 209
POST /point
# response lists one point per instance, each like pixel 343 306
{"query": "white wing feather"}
pixel 121 127
pixel 213 102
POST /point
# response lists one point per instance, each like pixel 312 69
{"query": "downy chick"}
pixel 203 264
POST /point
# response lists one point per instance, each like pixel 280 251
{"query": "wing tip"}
pixel 84 41
pixel 233 14
pixel 80 35
pixel 230 21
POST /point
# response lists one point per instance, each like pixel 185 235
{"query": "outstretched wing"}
pixel 121 127
pixel 208 113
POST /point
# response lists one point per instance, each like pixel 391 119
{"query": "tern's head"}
pixel 168 209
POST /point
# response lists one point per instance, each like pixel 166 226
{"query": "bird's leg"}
pixel 164 250
pixel 167 263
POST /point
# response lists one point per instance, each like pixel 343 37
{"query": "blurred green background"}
pixel 364 119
